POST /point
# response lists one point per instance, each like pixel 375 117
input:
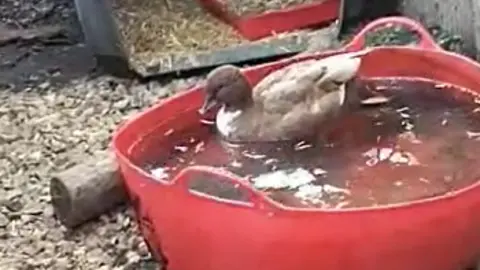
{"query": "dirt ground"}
pixel 54 113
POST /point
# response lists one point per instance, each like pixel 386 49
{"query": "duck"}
pixel 290 103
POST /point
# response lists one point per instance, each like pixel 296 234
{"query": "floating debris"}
pixel 473 135
pixel 403 109
pixel 399 158
pixel 310 193
pixel 377 155
pixel 252 155
pixel 180 148
pixel 409 136
pixel 407 125
pixel 207 122
pixel 160 173
pixel 377 100
pixel 168 132
pixel 236 164
pixel 315 194
pixel 199 147
pixel 289 178
pixel 319 171
pixel 302 145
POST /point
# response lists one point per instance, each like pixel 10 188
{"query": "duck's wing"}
pixel 284 88
pixel 302 118
pixel 339 69
pixel 298 82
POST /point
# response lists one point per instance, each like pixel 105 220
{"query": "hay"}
pixel 159 32
pixel 156 28
pixel 252 7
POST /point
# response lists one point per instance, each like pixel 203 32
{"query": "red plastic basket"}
pixel 196 231
pixel 286 20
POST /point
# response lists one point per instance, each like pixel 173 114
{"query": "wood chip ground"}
pixel 44 130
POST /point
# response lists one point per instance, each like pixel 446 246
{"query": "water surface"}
pixel 423 143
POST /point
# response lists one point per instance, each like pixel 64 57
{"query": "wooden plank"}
pixel 455 16
pixel 281 46
pixel 102 36
pixel 476 26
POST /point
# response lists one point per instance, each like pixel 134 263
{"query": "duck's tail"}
pixel 343 67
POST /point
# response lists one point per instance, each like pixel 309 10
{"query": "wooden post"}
pixel 459 17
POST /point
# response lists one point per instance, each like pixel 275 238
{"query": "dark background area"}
pixel 35 59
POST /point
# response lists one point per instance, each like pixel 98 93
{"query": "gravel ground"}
pixel 53 114
pixel 44 130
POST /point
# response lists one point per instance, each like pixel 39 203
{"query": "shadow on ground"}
pixel 27 61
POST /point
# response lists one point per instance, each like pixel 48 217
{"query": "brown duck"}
pixel 290 103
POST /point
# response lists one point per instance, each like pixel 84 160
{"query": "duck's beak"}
pixel 207 105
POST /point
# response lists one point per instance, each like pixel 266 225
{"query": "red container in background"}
pixel 196 231
pixel 263 25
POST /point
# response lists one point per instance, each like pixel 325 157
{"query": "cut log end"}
pixel 61 199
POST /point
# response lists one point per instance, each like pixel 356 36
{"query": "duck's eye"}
pixel 338 83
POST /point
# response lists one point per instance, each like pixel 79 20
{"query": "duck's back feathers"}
pixel 283 88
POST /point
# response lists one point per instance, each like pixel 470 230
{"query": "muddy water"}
pixel 423 143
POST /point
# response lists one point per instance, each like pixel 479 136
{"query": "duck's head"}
pixel 227 86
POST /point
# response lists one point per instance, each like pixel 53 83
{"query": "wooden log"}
pixel 87 190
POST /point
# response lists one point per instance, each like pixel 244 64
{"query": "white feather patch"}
pixel 341 68
pixel 225 121
pixel 342 93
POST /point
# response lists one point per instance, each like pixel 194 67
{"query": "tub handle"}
pixel 426 40
pixel 254 198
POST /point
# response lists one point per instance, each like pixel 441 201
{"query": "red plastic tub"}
pixel 196 231
pixel 259 26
